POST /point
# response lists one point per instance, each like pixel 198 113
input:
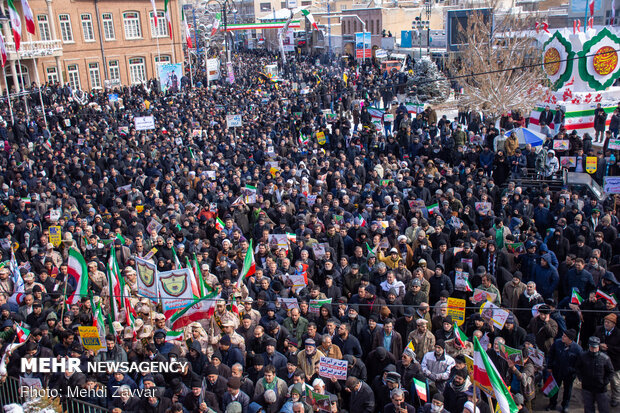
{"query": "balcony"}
pixel 39 48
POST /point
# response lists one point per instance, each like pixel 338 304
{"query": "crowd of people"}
pixel 387 223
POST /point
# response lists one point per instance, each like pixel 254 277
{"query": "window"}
pixel 87 27
pixel 74 76
pixel 162 26
pixel 137 71
pixel 108 26
pixel 372 27
pixel 44 27
pixel 95 76
pixel 132 25
pixel 265 7
pixel 52 75
pixel 306 3
pixel 65 28
pixel 164 59
pixel 115 72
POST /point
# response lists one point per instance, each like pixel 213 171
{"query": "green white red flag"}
pixel 22 333
pixel 605 296
pixel 219 224
pixel 489 379
pixel 550 388
pixel 420 389
pixel 76 267
pixel 168 17
pixel 249 265
pixel 174 336
pixel 188 35
pixel 16 24
pixel 310 18
pixel 28 16
pixel 575 297
pixel 460 337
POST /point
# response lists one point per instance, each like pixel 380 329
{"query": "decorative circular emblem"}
pixel 605 60
pixel 551 61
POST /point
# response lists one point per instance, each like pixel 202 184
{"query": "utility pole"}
pixel 329 28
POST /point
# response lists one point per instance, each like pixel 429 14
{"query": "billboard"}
pixel 457 23
pixel 363 45
pixel 170 76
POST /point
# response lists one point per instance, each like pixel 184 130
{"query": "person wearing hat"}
pixel 561 361
pixel 610 345
pixel 436 405
pixel 391 261
pixel 527 301
pixel 436 365
pixel 309 357
pixel 454 392
pixel 423 340
pixel 594 370
pixel 512 290
pixel 439 282
pixel 544 328
pixel 235 394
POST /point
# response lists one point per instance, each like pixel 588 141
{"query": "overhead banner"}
pixel 175 289
pixel 213 69
pixel 147 277
pixel 363 45
pixel 170 75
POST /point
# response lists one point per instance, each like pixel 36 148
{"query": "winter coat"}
pixel 594 371
pixel 562 360
pixel 437 370
pixel 546 277
pixel 613 344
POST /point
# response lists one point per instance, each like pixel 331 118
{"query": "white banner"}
pixel 147 279
pixel 175 288
pixel 333 368
pixel 144 123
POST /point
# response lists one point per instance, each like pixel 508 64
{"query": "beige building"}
pixel 93 44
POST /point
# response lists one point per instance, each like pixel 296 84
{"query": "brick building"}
pixel 91 44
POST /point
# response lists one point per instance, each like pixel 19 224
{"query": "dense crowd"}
pixel 400 213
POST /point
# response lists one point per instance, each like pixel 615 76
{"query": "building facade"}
pixel 94 44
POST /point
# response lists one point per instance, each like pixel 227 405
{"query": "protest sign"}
pixel 537 356
pixel 277 241
pixel 461 281
pixel 490 311
pixel 481 295
pixel 55 235
pixel 153 225
pixel 317 401
pixel 515 248
pixel 288 303
pixel 144 123
pixel 509 353
pixel 175 289
pixel 146 277
pixel 456 309
pixel 568 161
pixel 333 368
pixel 614 144
pixel 89 337
pixel 611 184
pixel 315 305
pixel 562 145
pixel 483 208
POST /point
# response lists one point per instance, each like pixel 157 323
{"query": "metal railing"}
pixel 10 393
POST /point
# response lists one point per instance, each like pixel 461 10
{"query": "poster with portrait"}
pixel 170 75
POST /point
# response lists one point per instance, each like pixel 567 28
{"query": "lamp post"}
pixel 429 10
pixel 419 26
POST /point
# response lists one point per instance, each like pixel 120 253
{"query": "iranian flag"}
pixel 78 270
pixel 204 287
pixel 459 337
pixel 310 18
pixel 420 389
pixel 193 281
pixel 487 376
pixel 174 336
pixel 154 12
pixel 114 282
pixel 3 50
pixel 591 6
pixel 233 307
pixel 433 209
pixel 28 16
pixel 22 333
pixel 98 320
pixel 216 24
pixel 575 298
pixel 303 139
pixel 168 18
pixel 361 220
pixel 198 310
pixel 610 298
pixel 550 388
pixel 249 265
pixel 16 23
pixel 291 236
pixel 219 224
pixel 18 281
pixel 188 35
pixel 370 250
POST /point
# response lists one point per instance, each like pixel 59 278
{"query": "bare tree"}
pixel 494 64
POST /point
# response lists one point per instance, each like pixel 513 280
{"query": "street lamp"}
pixel 226 7
pixel 419 26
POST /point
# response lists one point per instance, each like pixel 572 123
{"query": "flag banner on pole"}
pixel 16 24
pixel 3 50
pixel 188 35
pixel 28 16
pixel 410 346
pixel 219 224
pixel 216 24
pixel 249 265
pixel 146 273
pixel 174 336
pixel 605 296
pixel 550 388
pixel 489 379
pixel 22 333
pixel 76 268
pixel 168 20
pixel 154 12
pixel 459 338
pixel 18 282
pixel 197 310
pixel 575 297
pixel 420 389
pixel 310 18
